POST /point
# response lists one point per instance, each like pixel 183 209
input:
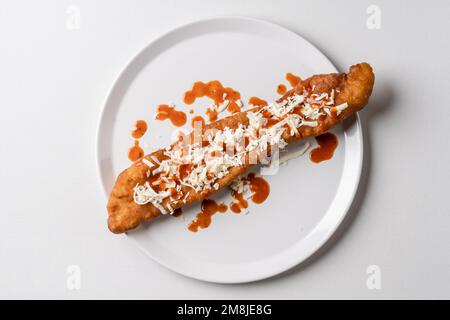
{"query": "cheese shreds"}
pixel 186 196
pixel 309 123
pixel 144 194
pixel 147 162
pixel 212 162
pixel 155 159
pixel 341 107
pixel 285 157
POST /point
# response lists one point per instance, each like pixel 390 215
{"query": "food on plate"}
pixel 214 155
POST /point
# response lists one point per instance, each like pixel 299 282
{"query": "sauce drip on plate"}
pixel 281 89
pixel 135 152
pixel 233 107
pixel 213 90
pixel 292 79
pixel 212 114
pixel 140 129
pixel 239 204
pixel 327 144
pixel 257 101
pixel 164 112
pixel 259 188
pixel 203 219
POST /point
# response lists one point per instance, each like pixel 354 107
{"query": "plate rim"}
pixel 274 271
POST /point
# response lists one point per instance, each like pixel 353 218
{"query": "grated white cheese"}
pixel 147 162
pixel 237 185
pixel 212 162
pixel 311 113
pixel 309 123
pixel 341 107
pixel 322 96
pixel 331 100
pixel 286 156
pixel 144 194
pixel 155 159
pixel 186 196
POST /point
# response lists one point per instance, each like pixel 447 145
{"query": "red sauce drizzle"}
pixel 135 152
pixel 292 79
pixel 213 90
pixel 233 107
pixel 270 121
pixel 203 219
pixel 257 101
pixel 185 169
pixel 140 129
pixel 212 114
pixel 164 111
pixel 327 144
pixel 239 204
pixel 281 89
pixel 259 187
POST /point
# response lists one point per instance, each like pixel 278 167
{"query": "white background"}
pixel 53 84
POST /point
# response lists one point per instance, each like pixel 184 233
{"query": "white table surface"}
pixel 54 81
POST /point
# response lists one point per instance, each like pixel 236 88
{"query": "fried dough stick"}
pixel 353 88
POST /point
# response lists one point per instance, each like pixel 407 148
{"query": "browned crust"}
pixel 355 88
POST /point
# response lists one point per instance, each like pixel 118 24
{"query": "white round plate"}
pixel 307 201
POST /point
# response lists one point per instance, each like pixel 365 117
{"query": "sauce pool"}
pixel 203 219
pixel 135 152
pixel 292 79
pixel 281 89
pixel 212 115
pixel 213 90
pixel 233 107
pixel 164 112
pixel 140 129
pixel 239 203
pixel 327 144
pixel 257 101
pixel 259 187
